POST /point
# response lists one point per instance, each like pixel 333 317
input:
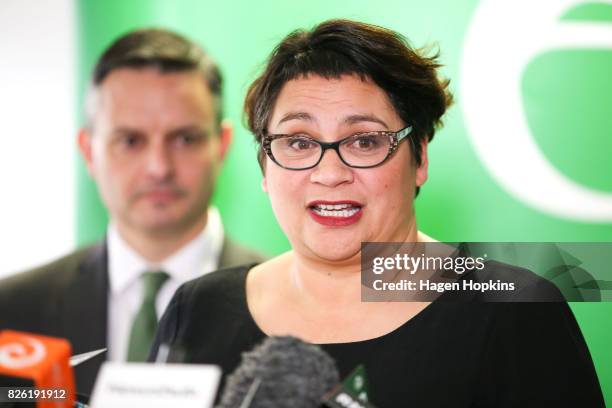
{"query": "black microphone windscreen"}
pixel 287 372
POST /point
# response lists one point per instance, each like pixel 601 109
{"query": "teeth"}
pixel 333 206
pixel 339 213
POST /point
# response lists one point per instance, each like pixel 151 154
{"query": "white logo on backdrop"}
pixel 503 37
pixel 21 355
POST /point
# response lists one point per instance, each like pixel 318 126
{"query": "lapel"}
pixel 233 254
pixel 84 314
pixel 226 255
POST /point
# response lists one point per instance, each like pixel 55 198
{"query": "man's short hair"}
pixel 161 49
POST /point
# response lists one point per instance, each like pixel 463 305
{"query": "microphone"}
pixel 343 397
pixel 351 393
pixel 281 372
pixel 29 360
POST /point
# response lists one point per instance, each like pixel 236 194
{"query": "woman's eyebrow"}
pixel 295 116
pixel 353 119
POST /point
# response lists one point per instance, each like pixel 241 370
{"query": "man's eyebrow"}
pixel 353 119
pixel 124 130
pixel 194 129
pixel 295 116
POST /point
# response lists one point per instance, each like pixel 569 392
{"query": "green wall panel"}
pixel 461 201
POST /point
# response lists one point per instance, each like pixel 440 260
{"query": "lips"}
pixel 335 213
pixel 160 196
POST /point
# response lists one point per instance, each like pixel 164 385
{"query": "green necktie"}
pixel 145 321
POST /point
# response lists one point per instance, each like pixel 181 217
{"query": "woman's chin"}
pixel 336 252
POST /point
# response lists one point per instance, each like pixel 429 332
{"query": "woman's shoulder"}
pixel 231 278
pixel 203 309
pixel 224 286
pixel 504 282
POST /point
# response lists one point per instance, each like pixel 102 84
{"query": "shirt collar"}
pixel 198 256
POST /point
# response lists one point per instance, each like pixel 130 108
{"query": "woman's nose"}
pixel 331 171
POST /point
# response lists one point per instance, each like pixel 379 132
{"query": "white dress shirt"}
pixel 125 266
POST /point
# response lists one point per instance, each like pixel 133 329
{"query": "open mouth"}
pixel 343 210
pixel 336 213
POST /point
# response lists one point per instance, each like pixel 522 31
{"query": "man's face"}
pixel 154 149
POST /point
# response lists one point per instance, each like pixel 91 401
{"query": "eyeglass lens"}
pixel 361 150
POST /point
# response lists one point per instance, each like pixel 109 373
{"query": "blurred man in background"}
pixel 154 142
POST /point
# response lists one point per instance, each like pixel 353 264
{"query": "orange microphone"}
pixel 37 369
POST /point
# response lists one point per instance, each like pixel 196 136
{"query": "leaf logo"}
pixel 503 37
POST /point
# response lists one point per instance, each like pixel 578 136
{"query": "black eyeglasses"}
pixel 361 151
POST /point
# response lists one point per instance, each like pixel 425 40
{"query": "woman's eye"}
pixel 300 143
pixel 365 142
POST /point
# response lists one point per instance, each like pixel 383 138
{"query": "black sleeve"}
pixel 536 357
pixel 168 327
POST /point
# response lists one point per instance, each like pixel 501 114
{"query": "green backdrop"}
pixel 461 201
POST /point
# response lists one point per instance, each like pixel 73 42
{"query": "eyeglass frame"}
pixel 396 138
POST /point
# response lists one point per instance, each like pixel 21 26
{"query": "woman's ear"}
pixel 421 171
pixel 264 185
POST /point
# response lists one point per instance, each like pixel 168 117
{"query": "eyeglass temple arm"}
pixel 404 132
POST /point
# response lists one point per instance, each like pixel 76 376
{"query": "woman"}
pixel 343 115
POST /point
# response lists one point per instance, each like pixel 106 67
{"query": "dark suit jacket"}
pixel 68 298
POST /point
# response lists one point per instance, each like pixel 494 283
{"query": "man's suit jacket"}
pixel 68 298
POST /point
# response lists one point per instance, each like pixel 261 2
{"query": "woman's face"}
pixel 368 204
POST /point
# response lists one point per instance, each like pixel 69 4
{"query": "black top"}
pixel 451 354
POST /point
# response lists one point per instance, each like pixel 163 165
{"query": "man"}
pixel 153 143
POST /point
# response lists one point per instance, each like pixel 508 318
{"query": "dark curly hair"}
pixel 340 47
